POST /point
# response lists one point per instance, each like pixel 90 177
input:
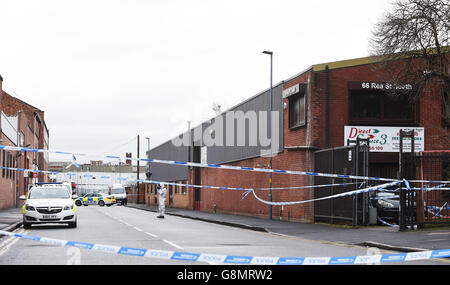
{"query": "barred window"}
pixel 3 163
pixel 297 110
pixel 183 190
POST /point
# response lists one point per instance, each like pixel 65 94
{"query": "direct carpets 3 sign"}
pixel 386 139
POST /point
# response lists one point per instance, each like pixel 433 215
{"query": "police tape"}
pixel 129 179
pixel 386 223
pixel 309 186
pixel 349 193
pixel 90 175
pixel 233 259
pixel 252 190
pixel 443 208
pixel 394 225
pixel 220 166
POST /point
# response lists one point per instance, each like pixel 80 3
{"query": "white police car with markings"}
pixel 49 204
pixel 95 199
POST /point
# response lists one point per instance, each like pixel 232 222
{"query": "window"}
pixel 183 190
pixel 8 159
pixel 297 113
pixel 379 107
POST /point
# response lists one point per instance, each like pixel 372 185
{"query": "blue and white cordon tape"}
pixel 251 190
pixel 349 193
pixel 218 166
pixel 233 259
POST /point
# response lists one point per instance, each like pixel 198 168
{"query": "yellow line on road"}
pixel 5 245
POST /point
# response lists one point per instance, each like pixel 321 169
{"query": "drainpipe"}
pixel 327 107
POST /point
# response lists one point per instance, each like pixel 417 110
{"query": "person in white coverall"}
pixel 162 200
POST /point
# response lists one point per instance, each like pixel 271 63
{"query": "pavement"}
pixel 383 237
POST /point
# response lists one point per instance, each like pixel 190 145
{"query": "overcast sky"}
pixel 107 71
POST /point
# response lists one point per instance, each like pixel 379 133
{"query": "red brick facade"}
pixel 301 142
pixel 32 127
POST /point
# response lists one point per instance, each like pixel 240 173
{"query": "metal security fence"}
pixel 432 199
pixel 351 160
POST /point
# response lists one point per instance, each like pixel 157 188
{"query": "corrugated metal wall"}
pixel 260 102
pixel 221 154
pixel 167 172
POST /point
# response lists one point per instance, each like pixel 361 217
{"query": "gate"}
pixel 422 203
pixel 350 160
pixel 432 199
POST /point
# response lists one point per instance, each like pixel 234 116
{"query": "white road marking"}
pixel 150 234
pixel 140 230
pixel 172 244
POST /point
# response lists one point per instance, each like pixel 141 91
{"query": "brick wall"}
pixel 430 109
pixel 179 199
pixel 10 106
pixel 231 202
pixel 7 178
pixel 1 96
pixel 307 139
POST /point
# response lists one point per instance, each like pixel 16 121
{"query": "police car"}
pixel 95 199
pixel 49 204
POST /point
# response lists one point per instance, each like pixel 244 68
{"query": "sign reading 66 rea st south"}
pixel 386 139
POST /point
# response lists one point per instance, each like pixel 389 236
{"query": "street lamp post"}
pixel 148 142
pixel 147 173
pixel 271 135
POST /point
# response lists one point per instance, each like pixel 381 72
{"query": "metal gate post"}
pixel 355 196
pixel 405 195
pixel 364 149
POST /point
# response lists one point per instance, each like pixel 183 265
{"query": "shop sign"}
pixel 368 85
pixel 291 90
pixel 386 139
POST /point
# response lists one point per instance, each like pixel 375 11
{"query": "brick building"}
pixel 320 108
pixel 21 125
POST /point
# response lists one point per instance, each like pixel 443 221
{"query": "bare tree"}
pixel 413 43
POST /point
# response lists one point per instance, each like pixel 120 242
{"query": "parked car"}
pixel 95 199
pixel 49 204
pixel 388 206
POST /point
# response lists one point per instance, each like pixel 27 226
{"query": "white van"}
pixel 68 185
pixel 119 193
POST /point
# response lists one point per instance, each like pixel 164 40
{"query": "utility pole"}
pixel 271 135
pixel 138 162
pixel 147 170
